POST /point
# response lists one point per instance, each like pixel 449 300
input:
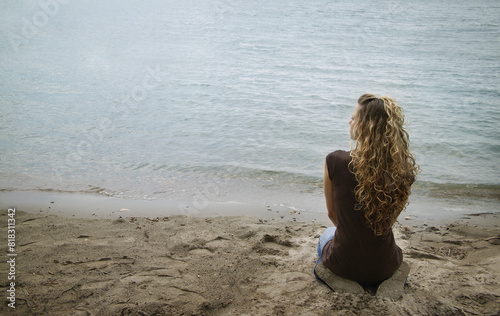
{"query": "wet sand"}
pixel 234 265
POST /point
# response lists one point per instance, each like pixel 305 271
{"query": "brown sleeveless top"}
pixel 355 252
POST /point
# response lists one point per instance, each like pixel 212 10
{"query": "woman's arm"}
pixel 327 185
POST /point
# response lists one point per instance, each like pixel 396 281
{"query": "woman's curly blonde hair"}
pixel 381 161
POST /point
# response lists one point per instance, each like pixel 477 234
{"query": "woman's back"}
pixel 365 190
pixel 356 253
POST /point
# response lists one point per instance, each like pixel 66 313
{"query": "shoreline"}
pixel 81 205
pixel 422 210
pixel 230 265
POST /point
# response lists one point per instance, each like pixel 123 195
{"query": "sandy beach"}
pixel 234 265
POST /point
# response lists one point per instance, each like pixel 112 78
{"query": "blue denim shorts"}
pixel 323 240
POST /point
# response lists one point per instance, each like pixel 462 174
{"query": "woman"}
pixel 365 190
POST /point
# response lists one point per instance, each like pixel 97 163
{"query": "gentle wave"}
pixel 268 179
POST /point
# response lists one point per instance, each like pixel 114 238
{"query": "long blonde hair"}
pixel 381 161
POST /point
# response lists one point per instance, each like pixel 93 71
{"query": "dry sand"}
pixel 234 266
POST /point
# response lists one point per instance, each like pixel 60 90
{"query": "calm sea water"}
pixel 241 100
